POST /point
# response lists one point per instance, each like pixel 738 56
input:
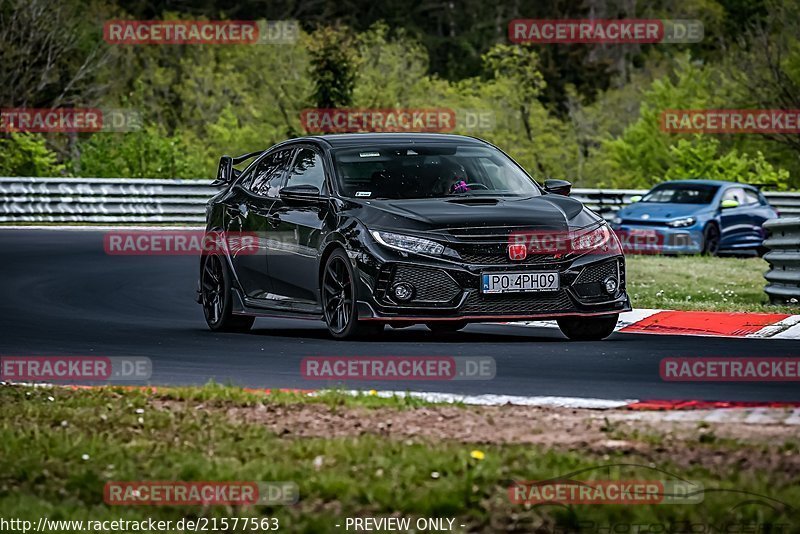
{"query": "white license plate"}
pixel 519 282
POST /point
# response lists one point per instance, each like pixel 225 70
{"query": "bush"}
pixel 147 153
pixel 23 154
pixel 700 159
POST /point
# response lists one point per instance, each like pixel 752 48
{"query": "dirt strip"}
pixel 716 445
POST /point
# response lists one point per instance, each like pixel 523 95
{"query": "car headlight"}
pixel 408 243
pixel 600 239
pixel 682 222
pixel 617 220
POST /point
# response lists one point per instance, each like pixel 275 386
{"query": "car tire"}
pixel 588 328
pixel 711 237
pixel 215 296
pixel 446 327
pixel 339 294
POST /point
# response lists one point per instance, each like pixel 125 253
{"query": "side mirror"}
pixel 300 194
pixel 636 198
pixel 224 171
pixel 730 203
pixel 557 187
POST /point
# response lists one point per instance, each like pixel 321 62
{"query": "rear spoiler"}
pixel 226 173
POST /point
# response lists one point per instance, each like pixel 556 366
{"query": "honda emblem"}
pixel 517 252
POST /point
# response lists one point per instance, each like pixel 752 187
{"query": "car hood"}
pixel 659 211
pixel 546 211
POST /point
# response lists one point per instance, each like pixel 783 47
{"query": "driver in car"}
pixel 452 179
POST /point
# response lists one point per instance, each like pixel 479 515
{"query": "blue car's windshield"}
pixel 682 193
pixel 429 171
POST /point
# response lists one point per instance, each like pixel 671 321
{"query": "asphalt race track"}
pixel 62 295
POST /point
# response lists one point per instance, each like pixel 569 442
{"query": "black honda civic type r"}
pixel 364 230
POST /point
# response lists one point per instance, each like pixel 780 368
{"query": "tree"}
pixel 49 55
pixel 767 65
pixel 333 60
pixel 641 156
pixel 702 159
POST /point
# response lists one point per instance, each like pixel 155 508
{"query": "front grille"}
pixel 502 258
pixel 517 304
pixel 432 285
pixel 489 245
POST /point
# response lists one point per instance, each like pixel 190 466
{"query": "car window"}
pixel 682 193
pixel 751 197
pixel 307 170
pixel 429 170
pixel 268 173
pixel 734 193
pixel 247 177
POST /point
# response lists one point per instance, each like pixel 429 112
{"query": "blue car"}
pixel 695 216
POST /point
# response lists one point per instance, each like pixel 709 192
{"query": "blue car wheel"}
pixel 711 239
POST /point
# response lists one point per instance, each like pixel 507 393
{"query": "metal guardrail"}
pixel 103 200
pixel 783 277
pixel 143 200
pixel 606 202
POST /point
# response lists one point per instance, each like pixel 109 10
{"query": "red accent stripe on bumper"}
pixel 490 318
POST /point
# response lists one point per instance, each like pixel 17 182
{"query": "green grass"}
pixel 700 283
pixel 223 394
pixel 59 446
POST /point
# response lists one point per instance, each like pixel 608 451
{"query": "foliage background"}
pixel 587 113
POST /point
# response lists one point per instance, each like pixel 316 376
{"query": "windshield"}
pixel 429 171
pixel 682 194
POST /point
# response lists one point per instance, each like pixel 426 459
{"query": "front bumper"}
pixel 450 290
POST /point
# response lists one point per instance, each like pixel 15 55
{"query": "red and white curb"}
pixel 700 323
pixel 748 416
pixel 490 399
pixel 762 413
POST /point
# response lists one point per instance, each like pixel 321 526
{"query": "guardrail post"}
pixel 783 277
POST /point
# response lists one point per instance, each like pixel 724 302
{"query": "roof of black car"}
pixel 356 139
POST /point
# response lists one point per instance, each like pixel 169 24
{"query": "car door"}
pixel 250 213
pixel 758 212
pixel 294 268
pixel 735 222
